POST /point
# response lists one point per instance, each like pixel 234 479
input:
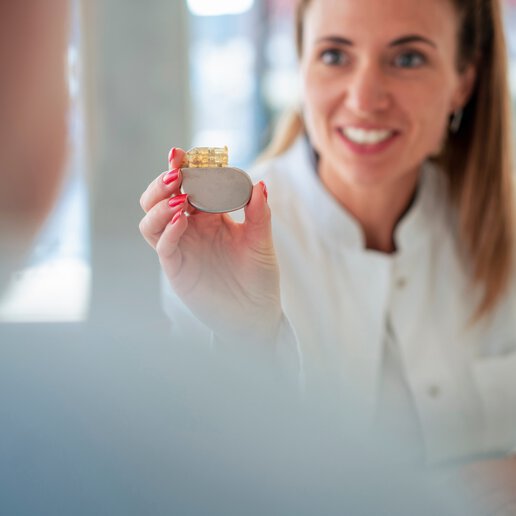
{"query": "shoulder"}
pixel 291 179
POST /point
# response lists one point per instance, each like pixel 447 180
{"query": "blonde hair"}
pixel 476 159
pixel 289 126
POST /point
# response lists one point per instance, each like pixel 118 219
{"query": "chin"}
pixel 365 174
pixel 369 179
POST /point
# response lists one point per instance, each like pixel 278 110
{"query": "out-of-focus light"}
pixel 54 291
pixel 218 7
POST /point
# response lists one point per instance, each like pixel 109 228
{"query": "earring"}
pixel 455 121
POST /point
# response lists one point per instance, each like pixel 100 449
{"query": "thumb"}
pixel 258 215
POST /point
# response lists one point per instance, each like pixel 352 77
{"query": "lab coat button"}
pixel 401 282
pixel 434 391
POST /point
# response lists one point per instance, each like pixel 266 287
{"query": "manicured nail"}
pixel 171 176
pixel 176 216
pixel 264 188
pixel 177 200
pixel 171 154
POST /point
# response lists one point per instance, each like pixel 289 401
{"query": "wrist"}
pixel 259 332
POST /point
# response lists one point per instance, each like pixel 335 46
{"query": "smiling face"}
pixel 380 80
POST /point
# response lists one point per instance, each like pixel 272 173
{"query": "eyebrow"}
pixel 411 38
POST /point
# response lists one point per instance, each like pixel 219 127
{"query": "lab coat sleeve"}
pixel 494 372
pixel 495 378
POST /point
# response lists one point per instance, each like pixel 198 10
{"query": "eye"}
pixel 333 57
pixel 410 59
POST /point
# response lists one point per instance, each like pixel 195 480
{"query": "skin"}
pixel 33 103
pixel 493 485
pixel 357 72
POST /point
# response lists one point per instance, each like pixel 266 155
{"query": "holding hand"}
pixel 225 272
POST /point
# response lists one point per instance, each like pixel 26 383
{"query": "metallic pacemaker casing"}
pixel 216 189
pixel 211 185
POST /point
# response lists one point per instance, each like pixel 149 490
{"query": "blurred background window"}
pixel 243 72
pixel 510 30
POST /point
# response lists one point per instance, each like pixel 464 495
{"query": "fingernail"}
pixel 171 154
pixel 171 176
pixel 177 200
pixel 176 216
pixel 264 188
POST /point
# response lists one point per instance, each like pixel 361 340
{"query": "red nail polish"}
pixel 177 200
pixel 264 188
pixel 171 176
pixel 171 154
pixel 176 216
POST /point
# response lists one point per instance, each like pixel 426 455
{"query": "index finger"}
pixel 176 157
pixel 166 184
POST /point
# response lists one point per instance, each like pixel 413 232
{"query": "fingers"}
pixel 165 184
pixel 161 214
pixel 162 187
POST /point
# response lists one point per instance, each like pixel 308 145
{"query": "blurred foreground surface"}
pixel 102 419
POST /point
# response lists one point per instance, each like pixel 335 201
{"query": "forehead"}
pixel 362 19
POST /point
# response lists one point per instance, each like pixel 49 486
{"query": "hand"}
pixel 225 272
pixel 493 485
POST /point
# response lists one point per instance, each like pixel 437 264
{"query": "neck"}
pixel 378 208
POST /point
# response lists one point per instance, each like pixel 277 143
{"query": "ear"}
pixel 467 79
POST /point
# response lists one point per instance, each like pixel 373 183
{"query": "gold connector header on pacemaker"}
pixel 206 157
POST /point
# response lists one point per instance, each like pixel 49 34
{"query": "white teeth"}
pixel 364 137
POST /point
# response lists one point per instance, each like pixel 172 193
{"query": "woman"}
pixel 389 267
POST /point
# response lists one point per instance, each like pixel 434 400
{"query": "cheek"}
pixel 428 112
pixel 315 99
pixel 319 102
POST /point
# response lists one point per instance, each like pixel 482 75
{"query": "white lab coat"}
pixel 347 309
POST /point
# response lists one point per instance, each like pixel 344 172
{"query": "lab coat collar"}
pixel 339 226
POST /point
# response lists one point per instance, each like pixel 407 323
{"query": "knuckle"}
pixel 143 226
pixel 161 249
pixel 154 190
pixel 146 199
pixel 142 202
pixel 165 248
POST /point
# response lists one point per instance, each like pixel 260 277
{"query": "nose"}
pixel 367 90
